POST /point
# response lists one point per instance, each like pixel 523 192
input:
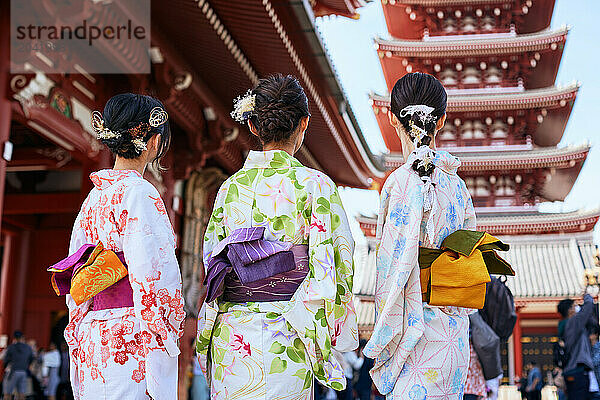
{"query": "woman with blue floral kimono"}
pixel 420 351
pixel 278 258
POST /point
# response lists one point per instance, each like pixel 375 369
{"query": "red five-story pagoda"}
pixel 498 60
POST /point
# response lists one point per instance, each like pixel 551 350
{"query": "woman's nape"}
pixel 290 145
pixel 140 163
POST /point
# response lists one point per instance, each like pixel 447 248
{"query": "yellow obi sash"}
pixel 457 273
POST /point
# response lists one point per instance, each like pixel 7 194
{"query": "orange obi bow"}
pixel 87 272
pixel 457 273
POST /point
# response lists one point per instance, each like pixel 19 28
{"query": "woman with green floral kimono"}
pixel 278 254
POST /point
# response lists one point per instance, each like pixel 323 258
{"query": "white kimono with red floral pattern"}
pixel 128 352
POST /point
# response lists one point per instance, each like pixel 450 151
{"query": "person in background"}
pixel 18 357
pixel 577 346
pixel 50 371
pixel 559 382
pixel 533 390
pixel 64 391
pixel 350 362
pixel 364 384
pixel 200 390
pixel 475 385
pixel 493 385
pixel 595 347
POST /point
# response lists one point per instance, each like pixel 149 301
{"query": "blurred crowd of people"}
pixel 35 374
pixel 359 385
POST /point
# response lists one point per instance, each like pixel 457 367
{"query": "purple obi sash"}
pixel 117 295
pixel 246 267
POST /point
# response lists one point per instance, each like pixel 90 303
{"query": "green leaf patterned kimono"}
pixel 273 350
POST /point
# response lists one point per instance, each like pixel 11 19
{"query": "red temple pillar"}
pixel 517 333
pixel 5 286
pixel 5 103
pixel 5 121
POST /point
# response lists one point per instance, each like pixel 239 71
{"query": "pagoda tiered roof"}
pixel 544 157
pixel 469 46
pixel 553 169
pixel 408 19
pixel 548 267
pixel 519 223
pixel 489 100
pixel 553 101
pixel 535 57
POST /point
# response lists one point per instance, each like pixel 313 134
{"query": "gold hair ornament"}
pixel 158 116
pixel 102 132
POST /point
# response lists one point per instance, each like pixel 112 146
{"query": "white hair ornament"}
pixel 243 107
pixel 423 112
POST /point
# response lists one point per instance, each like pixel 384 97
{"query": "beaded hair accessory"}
pixel 243 107
pixel 424 114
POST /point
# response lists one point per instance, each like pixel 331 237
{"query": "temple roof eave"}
pixel 457 47
pixel 552 96
pixel 552 157
pixel 532 223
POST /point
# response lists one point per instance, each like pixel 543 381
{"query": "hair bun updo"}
pixel 279 105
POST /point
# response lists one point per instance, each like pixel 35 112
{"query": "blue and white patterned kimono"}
pixel 420 351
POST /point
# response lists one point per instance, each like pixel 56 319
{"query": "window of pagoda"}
pixel 449 77
pixel 493 18
pixel 471 77
pixel 446 137
pixel 493 75
pixel 504 191
pixel 449 26
pixel 469 24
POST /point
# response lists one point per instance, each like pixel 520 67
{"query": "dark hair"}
pixel 127 111
pixel 18 335
pixel 415 89
pixel 593 328
pixel 280 104
pixel 564 306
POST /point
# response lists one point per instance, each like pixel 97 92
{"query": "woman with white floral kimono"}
pixel 278 254
pixel 420 351
pixel 123 341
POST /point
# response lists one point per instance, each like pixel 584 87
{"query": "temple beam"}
pixel 41 203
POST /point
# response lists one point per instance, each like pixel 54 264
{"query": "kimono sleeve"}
pixel 215 232
pixel 322 309
pixel 149 248
pixel 76 312
pixel 470 218
pixel 398 300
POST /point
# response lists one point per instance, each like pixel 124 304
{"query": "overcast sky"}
pixel 350 47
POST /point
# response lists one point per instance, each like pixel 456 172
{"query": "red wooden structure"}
pixel 498 60
pixel 204 53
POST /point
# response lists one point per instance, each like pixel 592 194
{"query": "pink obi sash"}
pixel 96 273
pixel 246 267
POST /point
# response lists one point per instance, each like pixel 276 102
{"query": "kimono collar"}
pixel 446 161
pixel 106 177
pixel 275 159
